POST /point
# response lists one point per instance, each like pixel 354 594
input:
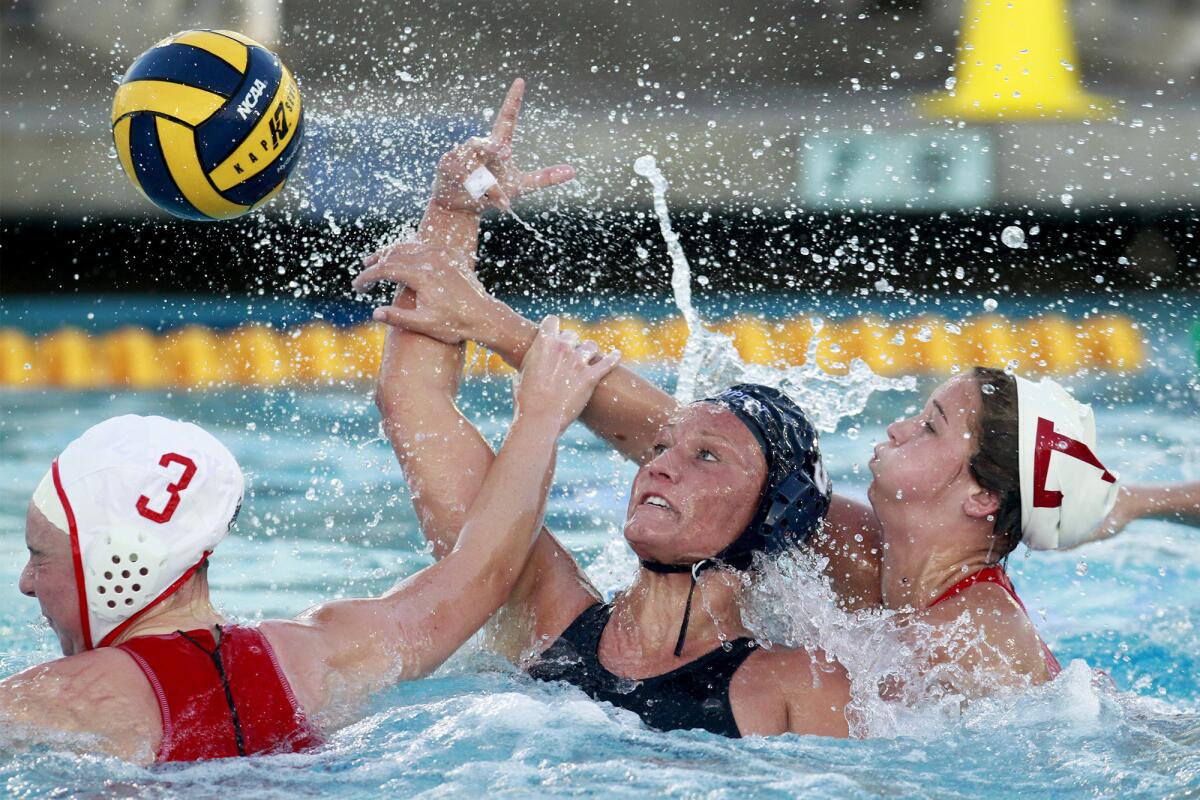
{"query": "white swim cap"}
pixel 1065 491
pixel 145 500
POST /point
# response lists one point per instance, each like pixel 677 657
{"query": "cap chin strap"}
pixel 694 569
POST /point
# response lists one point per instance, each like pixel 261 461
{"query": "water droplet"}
pixel 987 388
pixel 852 433
pixel 1067 198
pixel 1013 236
pixel 1081 568
pixel 990 305
pixel 645 166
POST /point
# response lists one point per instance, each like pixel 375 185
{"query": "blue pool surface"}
pixel 328 516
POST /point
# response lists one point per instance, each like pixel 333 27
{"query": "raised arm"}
pixel 443 456
pixel 1174 502
pixel 626 410
pixel 414 627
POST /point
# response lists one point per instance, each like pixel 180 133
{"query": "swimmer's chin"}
pixel 647 543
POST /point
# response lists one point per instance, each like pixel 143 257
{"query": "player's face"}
pixel 49 576
pixel 700 490
pixel 928 454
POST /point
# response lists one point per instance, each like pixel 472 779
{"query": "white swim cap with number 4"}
pixel 145 500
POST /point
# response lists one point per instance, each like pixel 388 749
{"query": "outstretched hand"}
pixel 559 374
pixel 495 153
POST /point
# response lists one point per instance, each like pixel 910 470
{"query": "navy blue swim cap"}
pixel 797 491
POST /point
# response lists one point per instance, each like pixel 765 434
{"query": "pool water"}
pixel 328 515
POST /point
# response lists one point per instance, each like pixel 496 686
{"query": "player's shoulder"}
pixel 793 668
pixel 100 693
pixel 808 689
pixel 985 613
pixel 68 676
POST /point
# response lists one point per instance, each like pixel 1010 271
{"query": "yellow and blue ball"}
pixel 208 124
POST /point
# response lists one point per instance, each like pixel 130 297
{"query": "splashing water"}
pixel 1013 236
pixel 790 603
pixel 711 361
pixel 537 235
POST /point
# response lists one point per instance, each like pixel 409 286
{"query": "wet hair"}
pixel 996 463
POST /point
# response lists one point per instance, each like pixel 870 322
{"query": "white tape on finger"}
pixel 479 181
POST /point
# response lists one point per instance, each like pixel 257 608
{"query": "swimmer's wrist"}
pixel 449 227
pixel 535 424
pixel 506 333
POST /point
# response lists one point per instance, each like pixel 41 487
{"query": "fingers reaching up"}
pixel 495 154
pixel 506 121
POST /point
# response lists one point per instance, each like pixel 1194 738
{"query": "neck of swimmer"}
pixel 913 576
pixel 651 611
pixel 189 609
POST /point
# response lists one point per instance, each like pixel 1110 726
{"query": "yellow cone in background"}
pixel 193 356
pixel 1016 60
pixel 255 356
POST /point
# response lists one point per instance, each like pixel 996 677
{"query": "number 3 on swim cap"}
pixel 173 489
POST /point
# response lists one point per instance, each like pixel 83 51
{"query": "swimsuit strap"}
pixel 585 631
pixel 993 574
pixel 221 693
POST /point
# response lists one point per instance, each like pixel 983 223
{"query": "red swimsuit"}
pixel 998 576
pixel 220 699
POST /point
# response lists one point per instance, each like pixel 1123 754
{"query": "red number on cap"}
pixel 173 489
pixel 1050 441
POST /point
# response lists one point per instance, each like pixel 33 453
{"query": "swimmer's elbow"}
pixel 393 402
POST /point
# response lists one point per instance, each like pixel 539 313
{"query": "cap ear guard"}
pixel 798 490
pixel 125 573
pixel 790 516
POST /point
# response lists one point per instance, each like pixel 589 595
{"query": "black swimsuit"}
pixel 694 696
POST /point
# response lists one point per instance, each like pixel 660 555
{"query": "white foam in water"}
pixel 892 695
pixel 711 362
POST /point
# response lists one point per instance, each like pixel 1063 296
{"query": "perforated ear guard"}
pixel 124 572
pixel 795 512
